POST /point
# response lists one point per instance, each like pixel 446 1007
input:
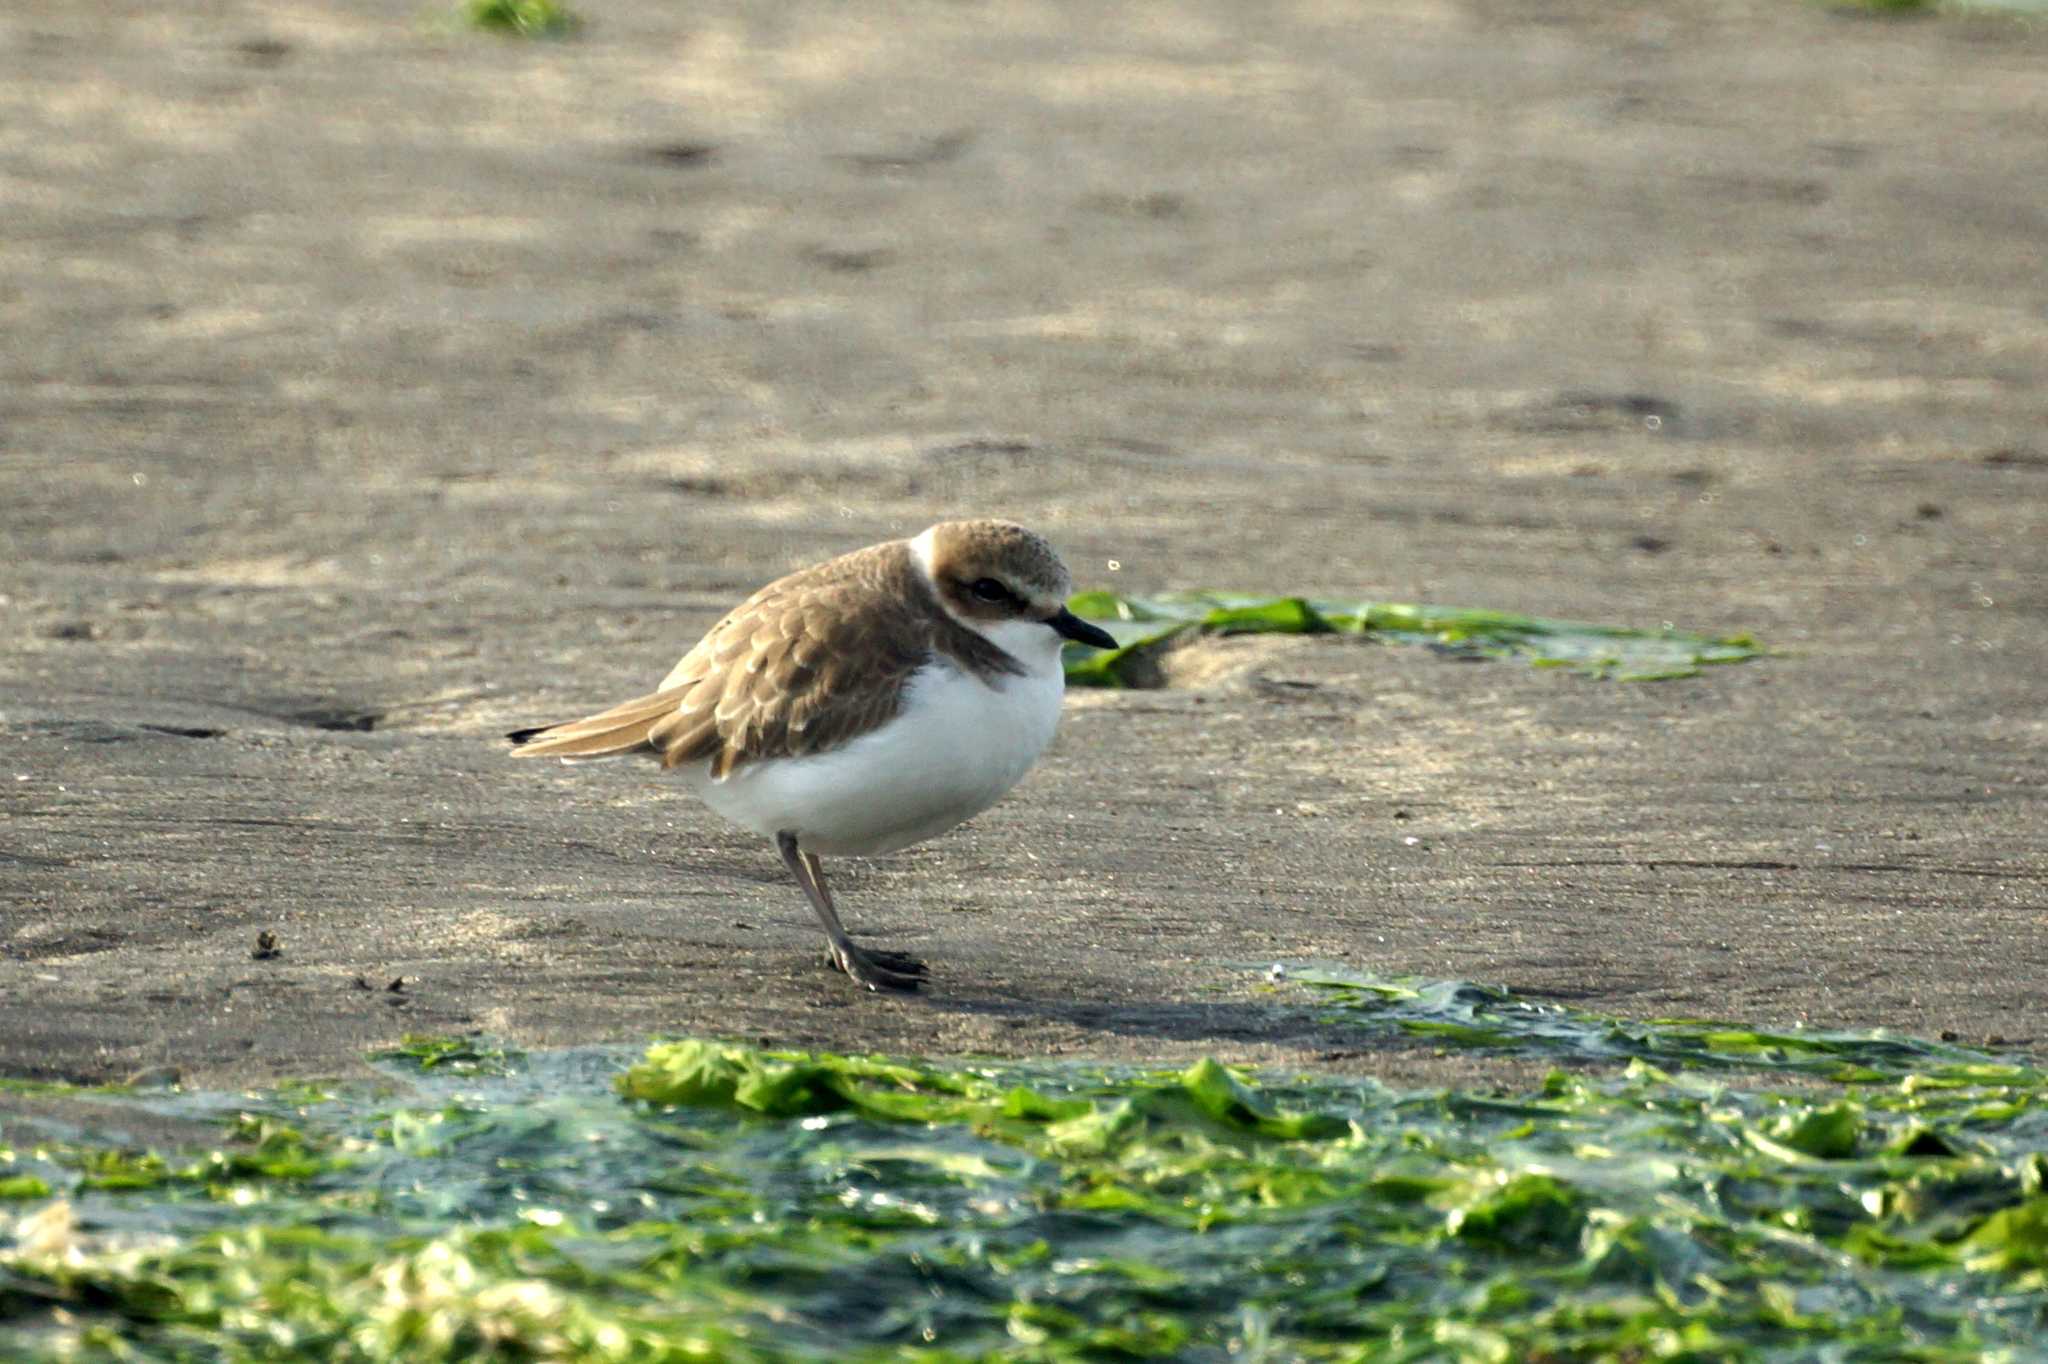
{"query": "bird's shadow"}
pixel 1222 1023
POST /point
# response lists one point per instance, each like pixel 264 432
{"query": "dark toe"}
pixel 900 962
pixel 881 971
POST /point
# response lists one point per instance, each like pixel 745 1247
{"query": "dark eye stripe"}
pixel 990 591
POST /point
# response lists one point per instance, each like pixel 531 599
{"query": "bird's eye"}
pixel 989 590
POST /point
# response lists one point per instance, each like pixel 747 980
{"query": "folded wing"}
pixel 804 665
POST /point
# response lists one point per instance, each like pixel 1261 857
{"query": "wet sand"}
pixel 369 388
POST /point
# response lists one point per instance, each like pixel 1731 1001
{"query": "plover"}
pixel 861 705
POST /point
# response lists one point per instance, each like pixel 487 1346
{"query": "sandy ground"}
pixel 369 387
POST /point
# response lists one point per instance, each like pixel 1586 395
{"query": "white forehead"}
pixel 921 549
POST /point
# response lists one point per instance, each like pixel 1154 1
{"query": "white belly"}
pixel 956 746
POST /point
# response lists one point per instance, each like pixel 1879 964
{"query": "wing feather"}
pixel 625 728
pixel 806 664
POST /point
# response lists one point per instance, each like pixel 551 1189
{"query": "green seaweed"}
pixel 2022 10
pixel 522 18
pixel 455 1055
pixel 1457 1012
pixel 60 1089
pixel 1143 625
pixel 704 1200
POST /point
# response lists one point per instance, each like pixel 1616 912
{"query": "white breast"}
pixel 956 746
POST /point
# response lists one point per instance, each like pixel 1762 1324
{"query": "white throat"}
pixel 1033 643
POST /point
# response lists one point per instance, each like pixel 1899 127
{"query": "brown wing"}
pixel 805 664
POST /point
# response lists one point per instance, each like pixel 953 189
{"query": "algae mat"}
pixel 1143 626
pixel 1855 1196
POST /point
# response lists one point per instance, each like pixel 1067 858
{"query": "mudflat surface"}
pixel 369 387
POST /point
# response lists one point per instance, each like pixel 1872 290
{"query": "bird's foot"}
pixel 879 970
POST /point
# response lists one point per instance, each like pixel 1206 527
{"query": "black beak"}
pixel 1074 628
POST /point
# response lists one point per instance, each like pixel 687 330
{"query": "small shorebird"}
pixel 861 705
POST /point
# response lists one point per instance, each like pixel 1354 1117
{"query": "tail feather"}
pixel 608 734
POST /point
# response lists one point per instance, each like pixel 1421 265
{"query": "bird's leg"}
pixel 901 963
pixel 883 971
